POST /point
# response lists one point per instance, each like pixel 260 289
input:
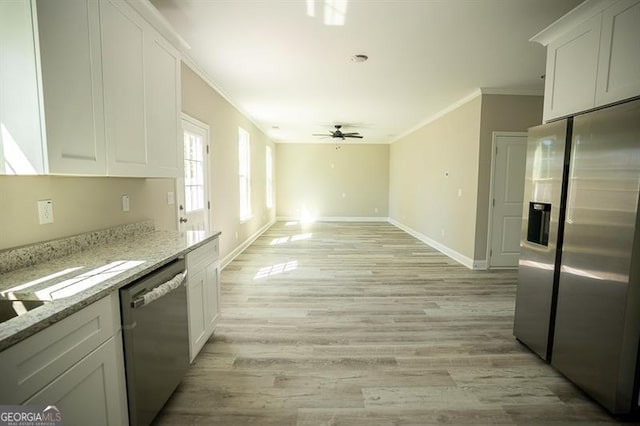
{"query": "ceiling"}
pixel 291 73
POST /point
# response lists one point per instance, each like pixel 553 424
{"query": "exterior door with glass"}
pixel 194 207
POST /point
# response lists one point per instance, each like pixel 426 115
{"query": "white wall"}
pixel 316 180
pixel 440 174
pixel 80 204
pixel 201 101
pixel 433 178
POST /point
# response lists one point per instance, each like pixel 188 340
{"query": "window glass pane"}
pixel 244 168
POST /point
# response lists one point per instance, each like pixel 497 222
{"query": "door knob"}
pixel 183 220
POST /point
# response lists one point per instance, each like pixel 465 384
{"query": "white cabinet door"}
pixel 619 64
pixel 572 62
pixel 22 148
pixel 212 291
pixel 92 391
pixel 124 97
pixel 197 305
pixel 69 33
pixel 203 293
pixel 162 79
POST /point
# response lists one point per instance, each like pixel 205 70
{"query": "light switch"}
pixel 125 203
pixel 459 192
pixel 45 211
pixel 171 199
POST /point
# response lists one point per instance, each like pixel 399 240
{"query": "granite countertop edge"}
pixel 22 327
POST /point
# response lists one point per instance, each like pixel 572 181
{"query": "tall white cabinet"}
pixel 593 57
pixel 88 87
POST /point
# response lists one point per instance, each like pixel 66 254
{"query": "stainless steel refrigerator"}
pixel 578 298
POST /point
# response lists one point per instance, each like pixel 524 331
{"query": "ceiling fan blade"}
pixel 351 133
pixel 321 134
pixel 353 136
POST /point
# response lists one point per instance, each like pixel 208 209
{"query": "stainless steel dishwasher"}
pixel 156 339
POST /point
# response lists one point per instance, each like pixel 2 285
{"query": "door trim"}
pixel 494 136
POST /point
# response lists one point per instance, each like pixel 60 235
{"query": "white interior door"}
pixel 509 162
pixel 193 188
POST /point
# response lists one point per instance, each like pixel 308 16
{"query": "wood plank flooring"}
pixel 362 324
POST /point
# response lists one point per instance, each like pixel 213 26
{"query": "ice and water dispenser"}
pixel 539 219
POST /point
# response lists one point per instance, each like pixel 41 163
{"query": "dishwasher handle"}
pixel 159 291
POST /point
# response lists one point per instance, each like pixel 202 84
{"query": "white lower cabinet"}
pixel 203 294
pixel 76 364
pixel 92 391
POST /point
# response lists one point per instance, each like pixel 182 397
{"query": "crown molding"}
pixel 457 104
pixel 193 65
pixel 153 16
pixel 570 20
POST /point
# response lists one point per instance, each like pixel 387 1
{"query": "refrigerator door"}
pixel 546 146
pixel 597 321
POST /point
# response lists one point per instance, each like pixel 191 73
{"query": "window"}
pixel 269 178
pixel 193 172
pixel 244 172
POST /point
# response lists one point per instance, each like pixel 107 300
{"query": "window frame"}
pixel 244 174
pixel 269 181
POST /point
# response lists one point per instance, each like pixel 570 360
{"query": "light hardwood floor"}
pixel 362 324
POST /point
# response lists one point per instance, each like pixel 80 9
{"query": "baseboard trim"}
pixel 337 219
pixel 246 243
pixel 458 257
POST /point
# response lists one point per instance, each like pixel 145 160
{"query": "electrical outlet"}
pixel 45 211
pixel 442 232
pixel 375 210
pixel 125 203
pixel 459 192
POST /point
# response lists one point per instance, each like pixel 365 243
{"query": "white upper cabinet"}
pixel 619 65
pixel 96 93
pixel 142 91
pixel 21 138
pixel 162 82
pixel 69 31
pixel 593 57
pixel 123 65
pixel 572 62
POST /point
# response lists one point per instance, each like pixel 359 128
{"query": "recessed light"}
pixel 359 58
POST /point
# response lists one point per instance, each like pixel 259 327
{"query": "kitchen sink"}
pixel 13 308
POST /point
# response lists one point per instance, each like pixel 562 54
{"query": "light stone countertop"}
pixel 145 252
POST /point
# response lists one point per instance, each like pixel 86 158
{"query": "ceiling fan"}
pixel 338 134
